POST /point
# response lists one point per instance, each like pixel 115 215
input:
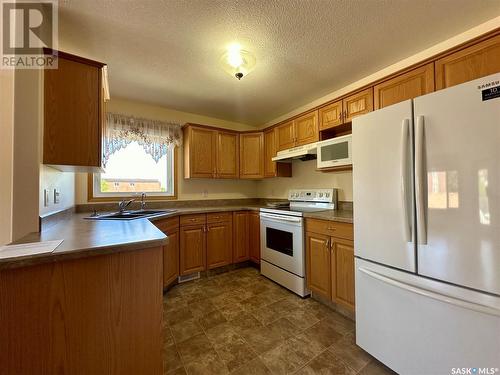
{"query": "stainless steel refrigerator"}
pixel 427 231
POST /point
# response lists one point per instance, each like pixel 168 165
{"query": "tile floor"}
pixel 242 323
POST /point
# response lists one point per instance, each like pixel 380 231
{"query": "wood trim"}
pixel 90 187
pixel 69 56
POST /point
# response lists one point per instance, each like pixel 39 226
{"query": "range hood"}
pixel 305 152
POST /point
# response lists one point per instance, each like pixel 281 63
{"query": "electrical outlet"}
pixel 205 194
pixel 45 197
pixel 57 196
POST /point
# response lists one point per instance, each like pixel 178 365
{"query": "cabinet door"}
pixel 227 155
pixel 306 129
pixel 252 155
pixel 171 258
pixel 193 249
pixel 254 236
pixel 72 114
pixel 358 104
pixel 318 264
pixel 269 153
pixel 285 135
pixel 219 244
pixel 343 272
pixel 200 153
pixel 240 237
pixel 476 61
pixel 330 116
pixel 409 85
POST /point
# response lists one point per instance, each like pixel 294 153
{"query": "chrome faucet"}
pixel 143 201
pixel 124 204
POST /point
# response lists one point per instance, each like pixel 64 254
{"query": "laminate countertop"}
pixel 83 238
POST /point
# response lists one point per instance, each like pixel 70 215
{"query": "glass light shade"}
pixel 236 60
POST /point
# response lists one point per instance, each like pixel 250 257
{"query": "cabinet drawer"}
pixel 193 219
pixel 216 217
pixel 167 225
pixel 331 228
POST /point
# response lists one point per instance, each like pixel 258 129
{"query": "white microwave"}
pixel 335 152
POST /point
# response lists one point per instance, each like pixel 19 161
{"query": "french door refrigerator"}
pixel 427 231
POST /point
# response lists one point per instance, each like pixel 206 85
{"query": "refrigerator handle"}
pixel 420 181
pixel 404 179
pixel 431 294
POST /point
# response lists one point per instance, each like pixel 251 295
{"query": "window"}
pixel 139 156
pixel 131 170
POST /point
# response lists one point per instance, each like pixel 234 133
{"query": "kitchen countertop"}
pixel 83 238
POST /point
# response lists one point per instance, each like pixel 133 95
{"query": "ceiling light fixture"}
pixel 237 62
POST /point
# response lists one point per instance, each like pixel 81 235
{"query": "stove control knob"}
pixel 327 195
pixel 321 195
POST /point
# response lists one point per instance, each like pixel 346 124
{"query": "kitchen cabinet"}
pixel 302 130
pixel 252 155
pixel 227 155
pixel 254 236
pixel 272 168
pixel 170 227
pixel 210 153
pixel 73 104
pixel 330 261
pixel 319 264
pixel 343 111
pixel 470 63
pixel 409 85
pixel 219 243
pixel 192 245
pixel 240 237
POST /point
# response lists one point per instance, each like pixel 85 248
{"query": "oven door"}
pixel 334 153
pixel 282 242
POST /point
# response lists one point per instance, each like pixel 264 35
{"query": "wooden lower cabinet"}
pixel 171 258
pixel 319 264
pixel 254 236
pixel 219 244
pixel 240 236
pixel 330 262
pixel 192 249
pixel 342 266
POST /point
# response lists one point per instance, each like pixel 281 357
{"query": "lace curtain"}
pixel 155 136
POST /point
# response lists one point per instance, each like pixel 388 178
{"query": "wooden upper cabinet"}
pixel 343 272
pixel 357 104
pixel 73 114
pixel 199 152
pixel 470 63
pixel 252 155
pixel 330 116
pixel 318 264
pixel 271 168
pixel 227 155
pixel 285 136
pixel 416 82
pixel 219 244
pixel 240 237
pixel 306 129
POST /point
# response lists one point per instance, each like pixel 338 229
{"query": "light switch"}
pixel 56 196
pixel 45 197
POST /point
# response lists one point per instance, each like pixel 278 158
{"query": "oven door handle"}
pixel 289 219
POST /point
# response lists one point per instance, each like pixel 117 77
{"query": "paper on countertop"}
pixel 28 249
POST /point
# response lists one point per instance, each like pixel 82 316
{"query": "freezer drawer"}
pixel 420 326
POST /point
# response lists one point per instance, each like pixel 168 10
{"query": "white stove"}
pixel 282 236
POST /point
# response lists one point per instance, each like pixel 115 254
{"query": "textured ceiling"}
pixel 168 52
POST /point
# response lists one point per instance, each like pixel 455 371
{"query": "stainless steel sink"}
pixel 129 215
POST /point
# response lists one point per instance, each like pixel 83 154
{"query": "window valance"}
pixel 155 136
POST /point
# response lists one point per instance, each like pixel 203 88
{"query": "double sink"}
pixel 129 215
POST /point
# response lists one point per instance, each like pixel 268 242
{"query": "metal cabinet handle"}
pixel 333 229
